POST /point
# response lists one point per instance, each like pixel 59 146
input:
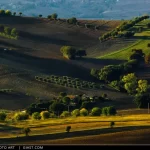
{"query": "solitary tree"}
pixel 26 131
pixel 8 13
pixel 2 12
pixel 20 13
pixel 40 16
pixel 112 123
pixel 49 16
pixel 54 16
pixel 68 128
pixel 14 13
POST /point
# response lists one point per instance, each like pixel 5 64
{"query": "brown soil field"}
pixel 37 52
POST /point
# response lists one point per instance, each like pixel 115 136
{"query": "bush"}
pixel 96 111
pixel 36 116
pixel 75 112
pixel 3 116
pixel 109 111
pixel 68 129
pixel 65 114
pixel 45 114
pixel 21 116
pixel 104 111
pixel 83 112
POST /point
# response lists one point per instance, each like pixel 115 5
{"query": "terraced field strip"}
pixel 126 50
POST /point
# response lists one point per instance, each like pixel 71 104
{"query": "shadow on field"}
pixel 71 134
pixel 7 128
pixel 48 66
pixel 39 38
pixel 98 63
pixel 12 20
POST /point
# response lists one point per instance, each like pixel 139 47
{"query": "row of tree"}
pixel 120 31
pixel 70 52
pixel 8 31
pixel 8 13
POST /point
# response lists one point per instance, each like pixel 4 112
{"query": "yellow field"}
pixel 54 128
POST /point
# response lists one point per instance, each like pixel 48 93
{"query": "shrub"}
pixel 3 116
pixel 68 128
pixel 75 112
pixel 96 111
pixel 45 114
pixel 36 116
pixel 21 116
pixel 83 112
pixel 65 114
pixel 104 111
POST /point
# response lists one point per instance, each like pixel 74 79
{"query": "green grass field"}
pixel 143 40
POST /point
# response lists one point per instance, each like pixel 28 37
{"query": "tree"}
pixel 66 101
pixel 36 116
pixel 49 16
pixel 111 110
pixel 14 13
pixel 68 128
pixel 40 16
pixel 87 105
pixel 142 86
pixel 14 32
pixel 142 100
pixel 20 13
pixel 65 114
pixel 26 131
pixel 45 114
pixel 104 111
pixel 7 30
pixel 130 83
pixel 83 112
pixel 54 16
pixel 75 112
pixel 2 12
pixel 3 116
pixel 21 116
pixel 137 54
pixel 112 123
pixel 8 13
pixel 96 111
pixel 80 53
pixel 72 20
pixel 57 107
pixel 68 51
